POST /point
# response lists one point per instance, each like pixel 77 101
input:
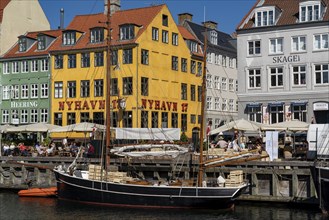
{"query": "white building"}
pixel 283 61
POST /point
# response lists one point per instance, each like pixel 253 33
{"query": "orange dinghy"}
pixel 39 192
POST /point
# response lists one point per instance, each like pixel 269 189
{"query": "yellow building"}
pixel 155 74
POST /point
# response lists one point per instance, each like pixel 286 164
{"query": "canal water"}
pixel 14 207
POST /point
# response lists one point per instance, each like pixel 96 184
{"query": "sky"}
pixel 227 13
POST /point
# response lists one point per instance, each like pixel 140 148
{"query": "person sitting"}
pixel 74 149
pixel 51 149
pixel 234 145
pixel 221 143
pixel 12 148
pixel 91 151
pixel 23 149
pixel 6 150
pixel 39 149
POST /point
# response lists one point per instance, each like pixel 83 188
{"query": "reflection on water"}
pixel 14 207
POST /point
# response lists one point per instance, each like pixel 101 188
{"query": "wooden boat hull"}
pixel 39 192
pixel 116 194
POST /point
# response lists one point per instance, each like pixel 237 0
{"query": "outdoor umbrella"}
pixel 240 124
pixel 4 128
pixel 79 127
pixel 294 125
pixel 37 127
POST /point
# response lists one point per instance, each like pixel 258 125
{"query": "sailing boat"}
pixel 97 185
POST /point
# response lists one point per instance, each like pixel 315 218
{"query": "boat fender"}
pixel 204 183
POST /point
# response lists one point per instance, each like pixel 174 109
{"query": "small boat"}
pixel 39 192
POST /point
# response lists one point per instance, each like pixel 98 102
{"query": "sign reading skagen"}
pixel 286 59
pixel 33 104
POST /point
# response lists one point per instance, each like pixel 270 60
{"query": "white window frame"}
pixel 298 43
pixel 217 59
pixel 96 35
pixel 44 65
pixel 44 90
pixel 58 89
pixel 127 32
pixel 6 68
pixel 6 92
pixel 209 60
pixel 224 104
pixel 34 91
pixel 33 115
pixel 231 105
pixel 24 91
pixel 299 72
pixel 25 66
pixel 265 17
pixel 217 82
pixel 322 42
pixel 209 103
pixel 24 116
pixel 278 75
pixel 5 116
pixel 224 84
pixel 276 46
pixel 324 75
pixel 15 67
pixel 14 92
pixel 69 38
pixel 310 11
pixel 44 115
pixel 175 39
pixel 254 76
pixel 165 36
pixel 209 81
pixel 34 65
pixel 217 103
pixel 231 85
pixel 254 50
pixel 213 37
pixel 155 34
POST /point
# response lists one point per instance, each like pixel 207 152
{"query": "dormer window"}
pixel 127 32
pixel 264 18
pixel 193 46
pixel 96 35
pixel 213 37
pixel 165 20
pixel 22 44
pixel 41 42
pixel 69 38
pixel 310 11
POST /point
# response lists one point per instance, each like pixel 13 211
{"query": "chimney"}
pixel 184 16
pixel 115 5
pixel 61 19
pixel 210 24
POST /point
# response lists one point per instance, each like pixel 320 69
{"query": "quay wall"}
pixel 279 181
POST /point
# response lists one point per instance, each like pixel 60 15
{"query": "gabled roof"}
pixel 289 12
pixel 188 36
pixel 141 17
pixel 14 51
pixel 3 4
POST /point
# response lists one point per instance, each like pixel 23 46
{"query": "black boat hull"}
pixel 323 173
pixel 116 194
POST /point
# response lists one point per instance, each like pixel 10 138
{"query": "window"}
pixel 14 116
pixel 22 44
pixel 209 81
pixel 209 58
pixel 231 85
pixel 145 57
pixel 114 86
pixel 184 65
pixel 193 46
pixel 165 36
pixel 231 105
pixel 213 37
pixel 264 18
pixel 155 34
pixel 155 119
pixel 34 115
pixel 309 12
pixel 85 88
pixel 114 119
pixel 15 67
pixel 15 91
pixel 224 58
pixel 127 56
pixel 321 41
pixel 193 66
pixel 71 89
pixel 299 75
pixel 41 42
pixel 276 76
pixel 164 120
pixel 24 66
pixel 44 115
pixel 72 62
pixel 254 113
pixel 24 91
pixel 174 120
pixel 184 122
pixel 254 47
pixel 44 65
pixel 184 91
pixel 71 118
pixel 98 118
pixel 174 63
pixel 276 113
pixel 217 83
pixel 192 92
pixel 144 86
pixel 24 116
pixel 199 93
pixel 298 44
pixel 127 121
pixel 276 46
pixel 114 57
pixel 69 38
pixel 127 85
pixel 84 117
pixel 321 74
pixel 254 78
pixel 127 32
pixel 165 20
pixel 5 116
pixel 299 111
pixel 217 103
pixel 217 59
pixel 99 58
pixel 34 91
pixel 5 92
pixel 175 39
pixel 96 35
pixel 58 119
pixel 144 119
pixel 58 61
pixel 199 68
pixel 5 68
pixel 209 103
pixel 85 60
pixel 224 104
pixel 44 90
pixel 34 66
pixel 224 84
pixel 98 88
pixel 58 90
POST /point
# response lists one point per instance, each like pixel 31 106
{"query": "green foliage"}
pixel 183 137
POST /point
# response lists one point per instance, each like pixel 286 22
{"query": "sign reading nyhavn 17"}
pixel 162 105
pixel 286 59
pixel 82 105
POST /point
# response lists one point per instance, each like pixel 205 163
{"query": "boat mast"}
pixel 203 97
pixel 108 83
